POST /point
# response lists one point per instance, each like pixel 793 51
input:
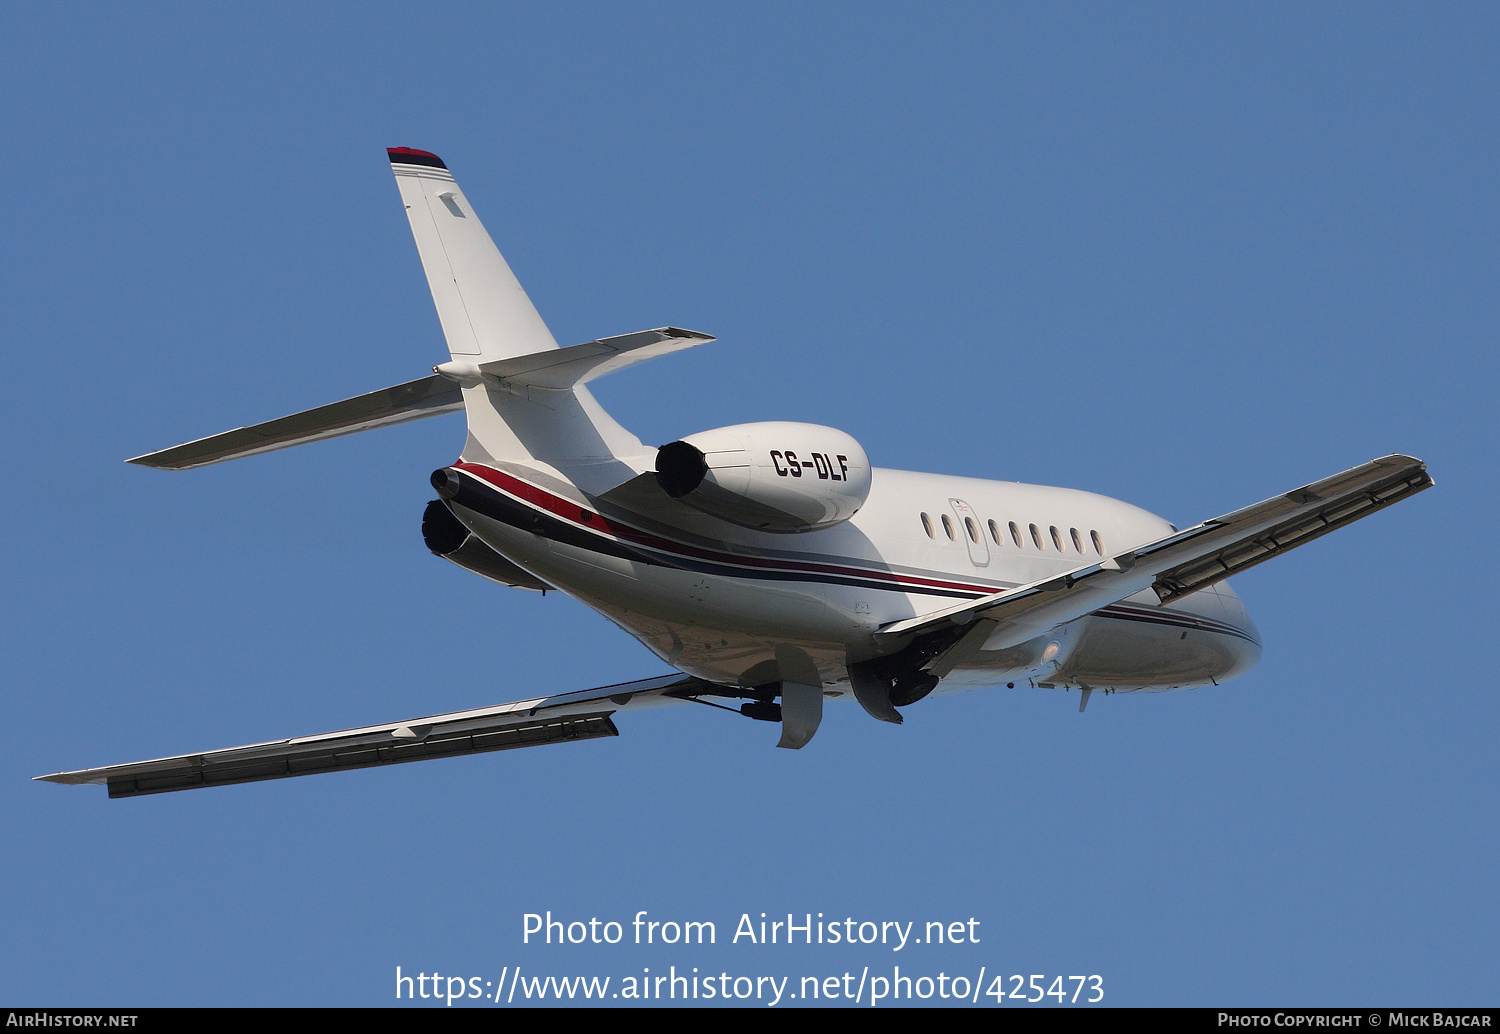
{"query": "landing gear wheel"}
pixel 908 689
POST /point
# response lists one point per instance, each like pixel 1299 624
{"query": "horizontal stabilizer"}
pixel 429 396
pixel 414 400
pixel 523 723
pixel 579 364
pixel 1186 561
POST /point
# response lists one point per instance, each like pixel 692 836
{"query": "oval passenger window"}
pixel 948 527
pixel 927 526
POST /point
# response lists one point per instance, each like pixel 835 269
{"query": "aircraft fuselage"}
pixel 715 600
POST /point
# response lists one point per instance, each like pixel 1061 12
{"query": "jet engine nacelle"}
pixel 772 476
pixel 446 536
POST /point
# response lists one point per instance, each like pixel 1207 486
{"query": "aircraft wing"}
pixel 579 715
pixel 1187 561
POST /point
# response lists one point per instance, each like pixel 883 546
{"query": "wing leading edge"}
pixel 1187 561
pixel 581 715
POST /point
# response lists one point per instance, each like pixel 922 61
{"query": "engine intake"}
pixel 680 468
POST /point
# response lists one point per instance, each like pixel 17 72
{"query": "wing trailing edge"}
pixel 581 715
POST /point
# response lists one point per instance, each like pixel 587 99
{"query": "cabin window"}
pixel 995 534
pixel 948 527
pixel 927 525
pixel 1036 536
pixel 1077 539
pixel 1098 542
pixel 1056 538
pixel 1015 533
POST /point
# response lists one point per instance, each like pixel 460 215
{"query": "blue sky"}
pixel 1189 256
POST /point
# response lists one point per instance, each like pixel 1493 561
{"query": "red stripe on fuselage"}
pixel 571 512
pixel 593 521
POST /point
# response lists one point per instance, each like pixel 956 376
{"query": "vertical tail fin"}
pixel 485 313
pixel 487 318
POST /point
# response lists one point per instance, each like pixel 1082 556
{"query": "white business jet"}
pixel 769 564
